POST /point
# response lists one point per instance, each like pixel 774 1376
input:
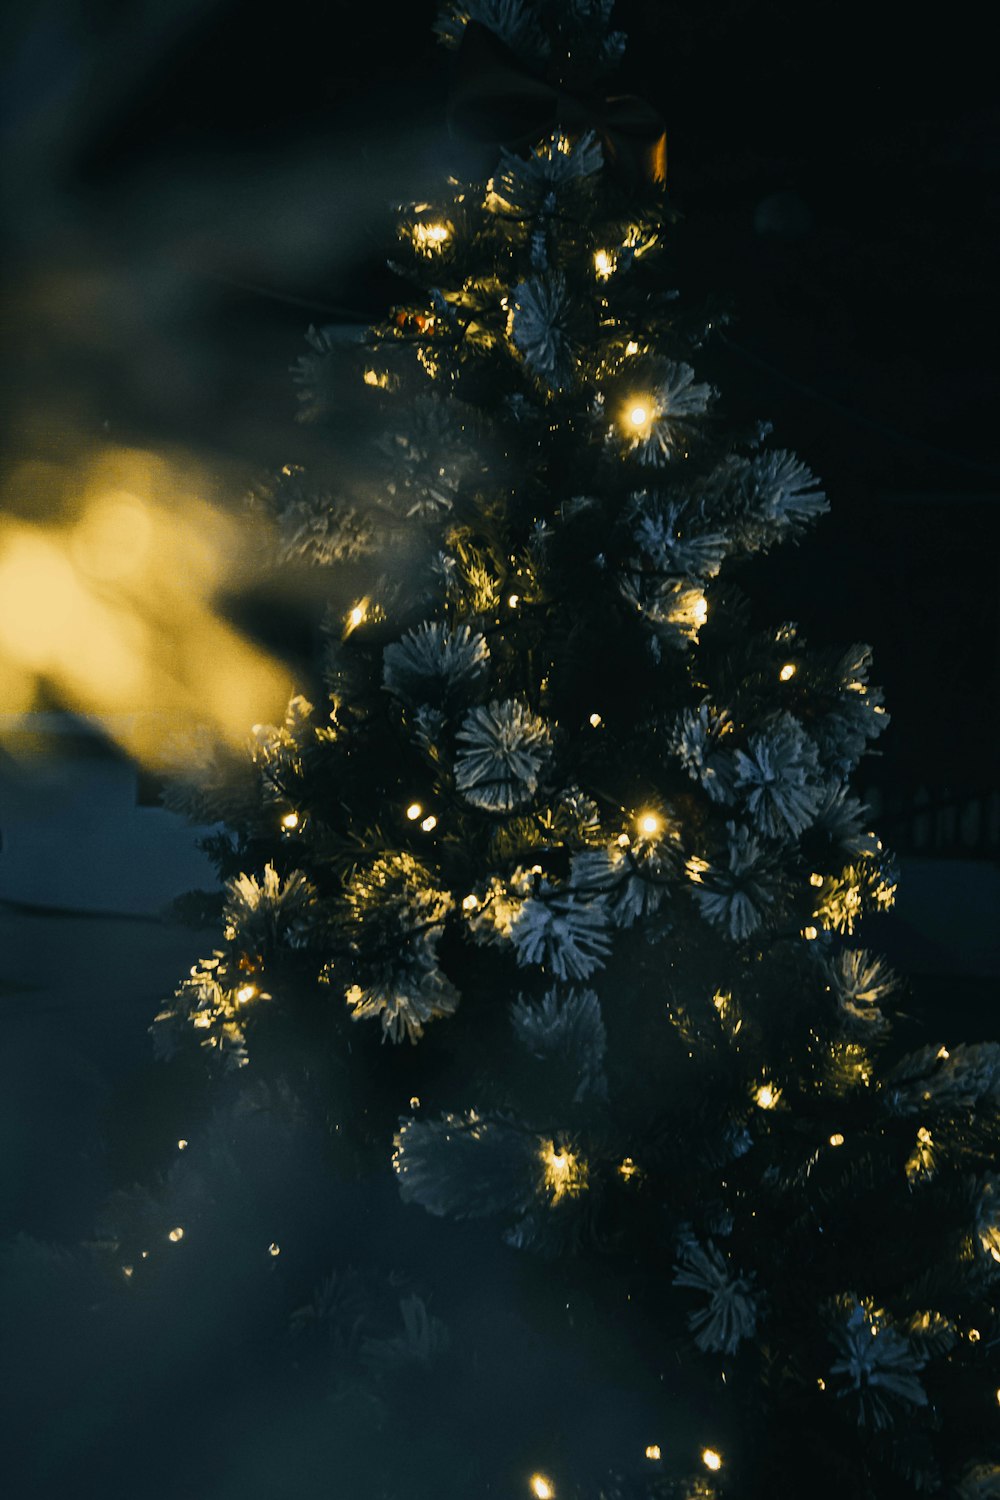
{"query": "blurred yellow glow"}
pixel 699 612
pixel 711 1459
pixel 604 264
pixel 356 616
pixel 595 721
pixel 653 1452
pixel 469 903
pixel 628 1169
pixel 821 1383
pixel 274 1248
pixel 182 1145
pixel 565 1174
pixel 837 1139
pixel 649 824
pixel 631 347
pixel 430 237
pixel 815 879
pixel 127 1271
pixel 245 992
pixel 974 1335
pixel 109 608
pixel 290 821
pixel 788 671
pixel 513 600
pixel 413 811
pixel 541 1487
pixel 429 823
pixel 176 1234
pixel 767 1096
pixel 415 1101
pixel 638 415
pixel 810 934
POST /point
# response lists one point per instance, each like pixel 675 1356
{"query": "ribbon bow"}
pixel 496 98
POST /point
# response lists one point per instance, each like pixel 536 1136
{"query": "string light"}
pixel 245 992
pixel 810 934
pixel 649 824
pixel 542 1487
pixel 836 1139
pixel 653 1452
pixel 273 1248
pixel 998 1398
pixel 356 616
pixel 595 721
pixel 943 1052
pixel 604 264
pixel 623 841
pixel 429 822
pixel 815 878
pixel 767 1096
pixel 430 237
pixel 974 1335
pixel 290 821
pixel 414 1101
pixel 821 1383
pixel 711 1459
pixel 176 1234
pixel 182 1145
pixel 628 1169
pixel 127 1271
pixel 469 903
pixel 565 1174
pixel 699 611
pixel 413 811
pixel 787 672
pixel 638 415
pixel 631 347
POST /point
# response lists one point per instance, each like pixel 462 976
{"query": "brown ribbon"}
pixel 496 98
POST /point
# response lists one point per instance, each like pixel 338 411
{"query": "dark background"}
pixel 186 185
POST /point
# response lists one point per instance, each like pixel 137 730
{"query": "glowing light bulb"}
pixel 356 616
pixel 542 1487
pixel 429 823
pixel 603 264
pixel 649 824
pixel 638 415
pixel 821 1383
pixel 653 1452
pixel 623 841
pixel 595 721
pixel 513 600
pixel 631 347
pixel 998 1398
pixel 788 671
pixel 290 821
pixel 767 1096
pixel 974 1335
pixel 810 934
pixel 711 1459
pixel 428 237
pixel 182 1145
pixel 273 1248
pixel 815 879
pixel 176 1234
pixel 943 1052
pixel 836 1139
pixel 127 1271
pixel 469 903
pixel 628 1169
pixel 245 992
pixel 699 611
pixel 414 1101
pixel 413 811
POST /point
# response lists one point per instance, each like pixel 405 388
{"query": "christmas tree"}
pixel 548 896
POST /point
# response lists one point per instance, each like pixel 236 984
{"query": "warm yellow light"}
pixel 182 1145
pixel 356 616
pixel 469 903
pixel 998 1398
pixel 513 600
pixel 787 671
pixel 767 1096
pixel 628 1169
pixel 836 1139
pixel 810 934
pixel 414 1101
pixel 176 1234
pixel 430 237
pixel 711 1459
pixel 565 1174
pixel 649 824
pixel 631 347
pixel 974 1335
pixel 699 611
pixel 653 1452
pixel 821 1383
pixel 604 264
pixel 245 992
pixel 127 1271
pixel 595 720
pixel 995 1253
pixel 695 868
pixel 623 841
pixel 413 811
pixel 273 1248
pixel 815 879
pixel 541 1487
pixel 638 415
pixel 428 823
pixel 290 821
pixel 943 1052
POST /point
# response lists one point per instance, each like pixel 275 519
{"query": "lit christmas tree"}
pixel 562 824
